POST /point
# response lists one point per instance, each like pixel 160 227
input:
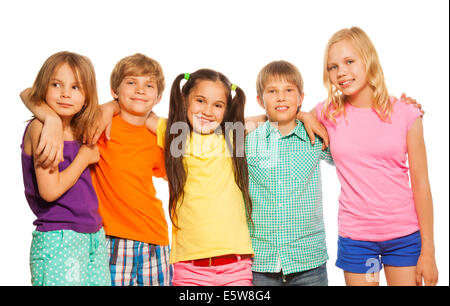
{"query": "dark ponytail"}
pixel 235 115
pixel 176 172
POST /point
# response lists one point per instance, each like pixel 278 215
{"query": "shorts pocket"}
pixel 42 246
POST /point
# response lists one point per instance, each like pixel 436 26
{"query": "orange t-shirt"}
pixel 123 182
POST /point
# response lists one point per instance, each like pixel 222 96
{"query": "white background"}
pixel 236 38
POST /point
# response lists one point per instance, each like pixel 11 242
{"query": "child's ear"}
pixel 158 99
pixel 300 100
pixel 114 95
pixel 260 102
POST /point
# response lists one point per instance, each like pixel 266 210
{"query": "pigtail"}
pixel 234 129
pixel 176 172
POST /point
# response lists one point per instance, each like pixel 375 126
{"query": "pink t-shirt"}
pixel 376 202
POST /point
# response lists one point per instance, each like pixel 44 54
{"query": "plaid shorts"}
pixel 135 263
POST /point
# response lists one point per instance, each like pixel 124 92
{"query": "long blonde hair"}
pixel 335 103
pixel 84 72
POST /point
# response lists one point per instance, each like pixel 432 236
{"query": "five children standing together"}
pixel 245 193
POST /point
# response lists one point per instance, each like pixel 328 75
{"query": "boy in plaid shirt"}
pixel 287 232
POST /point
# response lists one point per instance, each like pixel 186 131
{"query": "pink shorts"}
pixel 234 274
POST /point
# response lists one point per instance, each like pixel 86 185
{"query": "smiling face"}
pixel 281 100
pixel 207 102
pixel 136 95
pixel 65 93
pixel 347 71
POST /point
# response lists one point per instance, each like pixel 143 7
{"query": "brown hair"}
pixel 84 72
pixel 279 70
pixel 137 65
pixel 334 105
pixel 234 113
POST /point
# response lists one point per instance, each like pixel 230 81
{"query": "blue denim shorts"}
pixel 368 257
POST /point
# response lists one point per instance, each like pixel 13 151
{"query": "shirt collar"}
pixel 299 130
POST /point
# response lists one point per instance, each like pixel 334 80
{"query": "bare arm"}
pixel 426 265
pixel 313 126
pixel 107 112
pixel 49 151
pixel 152 122
pixel 53 184
pixel 251 123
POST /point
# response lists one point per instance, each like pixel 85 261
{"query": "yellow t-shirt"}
pixel 211 219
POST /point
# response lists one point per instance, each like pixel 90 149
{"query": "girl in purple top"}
pixel 68 246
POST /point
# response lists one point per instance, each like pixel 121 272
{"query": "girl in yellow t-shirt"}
pixel 208 182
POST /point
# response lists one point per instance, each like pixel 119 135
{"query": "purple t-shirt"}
pixel 76 209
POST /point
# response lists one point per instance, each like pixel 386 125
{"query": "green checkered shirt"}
pixel 288 230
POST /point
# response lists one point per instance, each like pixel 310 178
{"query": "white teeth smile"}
pixel 281 108
pixel 346 82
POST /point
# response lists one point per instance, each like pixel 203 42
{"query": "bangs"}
pixel 281 71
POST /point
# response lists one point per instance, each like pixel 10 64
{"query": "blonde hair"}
pixel 84 73
pixel 334 105
pixel 137 65
pixel 279 70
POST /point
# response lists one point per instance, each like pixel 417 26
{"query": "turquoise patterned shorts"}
pixel 68 258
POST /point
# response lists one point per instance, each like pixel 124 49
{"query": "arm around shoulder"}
pixel 314 127
pixel 152 122
pixel 50 148
pixel 52 183
pixel 252 123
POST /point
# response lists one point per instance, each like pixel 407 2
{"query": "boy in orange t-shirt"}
pixel 133 217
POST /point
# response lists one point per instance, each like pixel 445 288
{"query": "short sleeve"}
pixel 412 113
pixel 326 156
pixel 161 131
pixel 159 169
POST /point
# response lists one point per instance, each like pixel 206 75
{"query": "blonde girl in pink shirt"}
pixel 383 222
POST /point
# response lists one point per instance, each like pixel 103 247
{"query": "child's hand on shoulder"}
pixel 314 127
pixel 89 153
pixel 49 152
pixel 50 145
pixel 103 122
pixel 409 100
pixel 152 122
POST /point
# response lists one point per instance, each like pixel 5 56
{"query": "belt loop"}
pixel 210 262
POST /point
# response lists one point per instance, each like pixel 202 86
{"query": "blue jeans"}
pixel 314 277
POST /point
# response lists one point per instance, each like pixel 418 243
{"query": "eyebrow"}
pixel 203 97
pixel 345 58
pixel 287 85
pixel 58 80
